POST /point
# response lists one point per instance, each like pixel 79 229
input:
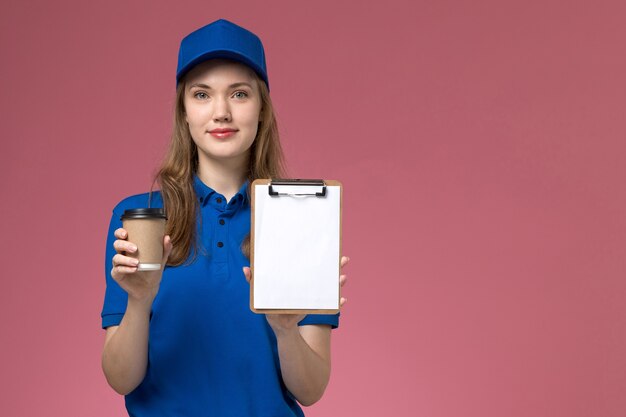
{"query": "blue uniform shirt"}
pixel 208 354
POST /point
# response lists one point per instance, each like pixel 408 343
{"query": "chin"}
pixel 226 156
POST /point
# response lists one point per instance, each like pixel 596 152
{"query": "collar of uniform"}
pixel 206 194
pixel 243 192
pixel 203 191
pixel 238 199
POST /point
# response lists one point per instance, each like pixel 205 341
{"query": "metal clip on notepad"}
pixel 297 188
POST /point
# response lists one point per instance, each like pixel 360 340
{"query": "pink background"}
pixel 481 146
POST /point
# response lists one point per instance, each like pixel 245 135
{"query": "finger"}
pixel 247 274
pixel 344 261
pixel 120 233
pixel 122 270
pixel 342 301
pixel 342 280
pixel 124 246
pixel 121 260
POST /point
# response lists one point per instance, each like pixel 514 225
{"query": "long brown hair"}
pixel 175 176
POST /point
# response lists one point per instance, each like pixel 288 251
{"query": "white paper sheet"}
pixel 296 250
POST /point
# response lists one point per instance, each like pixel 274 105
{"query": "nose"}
pixel 221 111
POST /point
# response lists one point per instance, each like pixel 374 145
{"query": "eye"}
pixel 240 94
pixel 200 95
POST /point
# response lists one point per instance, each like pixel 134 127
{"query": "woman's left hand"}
pixel 286 322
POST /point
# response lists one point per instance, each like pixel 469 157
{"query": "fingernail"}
pixel 135 262
pixel 133 248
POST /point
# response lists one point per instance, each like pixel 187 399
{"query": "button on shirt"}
pixel 208 353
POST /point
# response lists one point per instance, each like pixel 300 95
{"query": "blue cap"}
pixel 221 39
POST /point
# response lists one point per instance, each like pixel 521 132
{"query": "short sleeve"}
pixel 331 319
pixel 115 298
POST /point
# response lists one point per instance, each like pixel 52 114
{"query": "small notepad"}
pixel 296 246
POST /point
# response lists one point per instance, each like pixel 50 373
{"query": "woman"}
pixel 183 341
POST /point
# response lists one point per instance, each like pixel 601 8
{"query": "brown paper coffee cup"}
pixel 146 229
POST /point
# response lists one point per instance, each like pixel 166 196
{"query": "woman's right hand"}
pixel 140 285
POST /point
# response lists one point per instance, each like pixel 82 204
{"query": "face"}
pixel 222 109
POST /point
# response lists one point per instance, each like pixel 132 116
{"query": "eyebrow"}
pixel 235 85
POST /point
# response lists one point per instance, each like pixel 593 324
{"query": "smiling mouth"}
pixel 222 134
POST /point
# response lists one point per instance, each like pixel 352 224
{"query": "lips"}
pixel 222 133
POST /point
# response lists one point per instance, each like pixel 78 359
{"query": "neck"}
pixel 224 176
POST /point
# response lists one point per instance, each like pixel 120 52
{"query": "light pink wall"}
pixel 481 146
